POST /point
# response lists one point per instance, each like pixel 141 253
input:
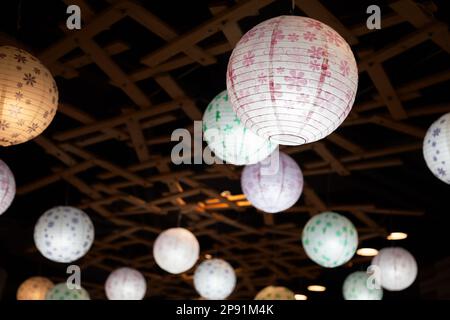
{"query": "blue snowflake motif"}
pixel 442 121
pixel 433 144
pixel 441 172
pixel 436 132
pixel 434 158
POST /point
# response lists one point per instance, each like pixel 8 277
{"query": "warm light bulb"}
pixel 317 288
pixel 208 256
pixel 367 252
pixel 300 297
pixel 397 236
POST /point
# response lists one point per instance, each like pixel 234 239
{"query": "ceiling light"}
pixel 300 297
pixel 367 252
pixel 208 256
pixel 397 236
pixel 316 288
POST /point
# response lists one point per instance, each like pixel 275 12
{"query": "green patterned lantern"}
pixel 62 292
pixel 357 286
pixel 330 239
pixel 228 138
pixel 275 293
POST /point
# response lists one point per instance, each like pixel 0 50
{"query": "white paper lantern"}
pixel 276 191
pixel 34 288
pixel 214 279
pixel 176 250
pixel 275 293
pixel 330 239
pixel 436 148
pixel 397 267
pixel 29 96
pixel 7 187
pixel 357 286
pixel 230 140
pixel 64 234
pixel 292 80
pixel 125 284
pixel 62 292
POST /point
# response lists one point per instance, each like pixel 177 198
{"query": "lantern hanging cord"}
pixel 292 7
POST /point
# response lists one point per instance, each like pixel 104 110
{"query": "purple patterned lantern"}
pixel 275 191
pixel 7 187
pixel 125 284
pixel 292 80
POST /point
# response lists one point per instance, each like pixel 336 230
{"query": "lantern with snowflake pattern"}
pixel 34 288
pixel 275 293
pixel 214 279
pixel 62 291
pixel 7 187
pixel 125 284
pixel 357 286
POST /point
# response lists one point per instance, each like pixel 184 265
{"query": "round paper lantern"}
pixel 356 288
pixel 230 140
pixel 214 279
pixel 292 80
pixel 64 234
pixel 125 284
pixel 62 292
pixel 34 288
pixel 29 96
pixel 330 239
pixel 397 267
pixel 436 148
pixel 275 191
pixel 7 187
pixel 176 250
pixel 275 293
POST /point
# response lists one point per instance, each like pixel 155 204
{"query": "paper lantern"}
pixel 329 239
pixel 125 284
pixel 29 96
pixel 34 288
pixel 275 191
pixel 64 234
pixel 7 187
pixel 230 140
pixel 292 80
pixel 62 292
pixel 436 148
pixel 275 293
pixel 176 250
pixel 214 279
pixel 397 267
pixel 357 286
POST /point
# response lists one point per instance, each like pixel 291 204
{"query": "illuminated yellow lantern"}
pixel 34 288
pixel 28 96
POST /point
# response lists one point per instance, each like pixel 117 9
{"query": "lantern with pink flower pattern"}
pixel 292 80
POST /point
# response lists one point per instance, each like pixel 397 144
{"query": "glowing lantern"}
pixel 214 279
pixel 436 148
pixel 7 187
pixel 275 293
pixel 230 140
pixel 292 80
pixel 397 268
pixel 34 288
pixel 125 284
pixel 62 292
pixel 275 191
pixel 176 250
pixel 29 96
pixel 357 286
pixel 64 234
pixel 330 239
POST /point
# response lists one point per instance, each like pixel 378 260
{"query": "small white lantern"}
pixel 275 191
pixel 397 268
pixel 214 279
pixel 61 291
pixel 64 234
pixel 330 239
pixel 29 96
pixel 125 284
pixel 34 288
pixel 7 187
pixel 230 140
pixel 292 80
pixel 275 293
pixel 176 250
pixel 358 286
pixel 436 148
